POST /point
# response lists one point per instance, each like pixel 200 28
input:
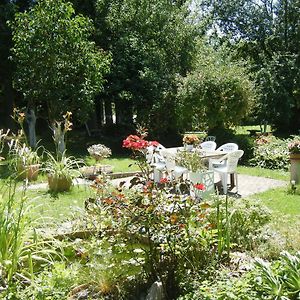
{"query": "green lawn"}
pixel 256 171
pixel 244 129
pixel 281 202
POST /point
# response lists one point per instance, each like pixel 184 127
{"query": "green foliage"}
pixel 280 280
pixel 266 33
pixel 14 226
pixel 225 285
pixel 150 43
pixel 57 65
pixel 216 93
pixel 246 221
pixel 271 152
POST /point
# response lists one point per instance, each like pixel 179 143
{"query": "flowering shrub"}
pixel 191 139
pixel 99 151
pixel 139 145
pixel 172 230
pixel 135 143
pixel 271 153
pixel 294 147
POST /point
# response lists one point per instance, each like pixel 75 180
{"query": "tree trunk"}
pixel 108 112
pixel 31 121
pixel 99 110
pixel 124 114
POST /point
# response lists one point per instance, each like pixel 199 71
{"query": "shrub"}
pixel 271 152
pixel 277 280
pixel 246 221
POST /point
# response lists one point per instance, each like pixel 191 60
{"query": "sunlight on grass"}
pixel 260 172
pixel 58 207
pixel 243 129
pixel 285 209
pixel 119 164
pixel 279 201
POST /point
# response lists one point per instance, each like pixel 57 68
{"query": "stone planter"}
pixel 295 167
pixel 207 178
pixel 59 184
pixel 30 172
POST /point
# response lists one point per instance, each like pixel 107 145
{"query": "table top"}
pixel 202 153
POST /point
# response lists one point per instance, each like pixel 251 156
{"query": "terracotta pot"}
pixel 59 184
pixel 295 167
pixel 30 172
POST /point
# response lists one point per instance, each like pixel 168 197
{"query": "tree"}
pixel 150 42
pixel 267 33
pixel 217 93
pixel 57 66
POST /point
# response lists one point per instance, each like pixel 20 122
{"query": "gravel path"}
pixel 248 185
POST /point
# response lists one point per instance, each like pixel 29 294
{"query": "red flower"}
pixel 199 186
pixel 134 142
pixel 163 180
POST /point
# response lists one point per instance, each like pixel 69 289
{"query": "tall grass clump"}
pixel 14 225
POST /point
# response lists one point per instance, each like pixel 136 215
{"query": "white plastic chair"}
pixel 208 146
pixel 229 165
pixel 156 161
pixel 226 148
pixel 210 138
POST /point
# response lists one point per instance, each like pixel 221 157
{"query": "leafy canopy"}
pixel 217 93
pixel 57 65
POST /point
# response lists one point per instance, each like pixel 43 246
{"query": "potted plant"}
pixel 61 170
pixel 198 172
pixel 98 152
pixel 294 150
pixel 189 141
pixel 24 160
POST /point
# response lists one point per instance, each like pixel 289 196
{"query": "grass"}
pixel 281 202
pixel 59 207
pixel 244 129
pixel 119 163
pixel 260 172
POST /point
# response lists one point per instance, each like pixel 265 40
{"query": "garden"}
pixel 116 118
pixel 91 238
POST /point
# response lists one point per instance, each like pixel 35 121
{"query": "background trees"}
pixel 58 67
pixel 151 45
pixel 217 93
pixel 267 34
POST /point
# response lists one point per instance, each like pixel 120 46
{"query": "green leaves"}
pixel 57 65
pixel 217 93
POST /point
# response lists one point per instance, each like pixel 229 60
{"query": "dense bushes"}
pixel 271 152
pixel 277 280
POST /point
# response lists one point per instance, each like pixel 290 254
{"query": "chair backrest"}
pixel 228 147
pixel 169 158
pixel 153 154
pixel 210 138
pixel 208 146
pixel 232 160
